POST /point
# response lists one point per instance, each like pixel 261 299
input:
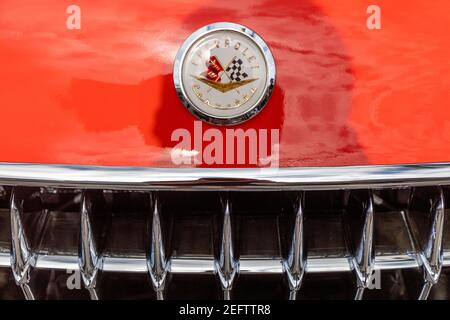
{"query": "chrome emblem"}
pixel 224 73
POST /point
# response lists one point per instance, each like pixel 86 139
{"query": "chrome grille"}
pixel 227 241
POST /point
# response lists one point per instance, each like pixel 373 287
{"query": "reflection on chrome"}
pixel 364 257
pixel 90 260
pixel 431 255
pixel 295 264
pixel 246 266
pixel 138 178
pixel 22 258
pixel 156 262
pixel 226 265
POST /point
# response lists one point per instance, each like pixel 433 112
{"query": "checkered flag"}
pixel 234 70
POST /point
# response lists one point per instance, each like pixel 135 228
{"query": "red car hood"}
pixel 104 95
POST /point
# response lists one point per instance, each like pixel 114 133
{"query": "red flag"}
pixel 214 69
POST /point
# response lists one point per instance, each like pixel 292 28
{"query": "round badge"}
pixel 224 73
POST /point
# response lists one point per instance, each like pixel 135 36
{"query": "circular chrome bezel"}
pixel 260 43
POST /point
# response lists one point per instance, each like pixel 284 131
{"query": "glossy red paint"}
pixel 345 95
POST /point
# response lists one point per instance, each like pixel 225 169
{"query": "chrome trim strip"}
pixel 260 266
pixel 203 265
pixel 57 262
pixel 446 259
pixel 319 265
pixel 5 259
pixel 124 264
pixel 139 178
pixel 192 265
pixel 395 262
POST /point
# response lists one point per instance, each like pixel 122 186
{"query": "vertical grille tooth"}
pixel 23 259
pixel 157 264
pixel 226 265
pixel 295 264
pixel 364 254
pixel 90 251
pixel 430 242
pixel 426 289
